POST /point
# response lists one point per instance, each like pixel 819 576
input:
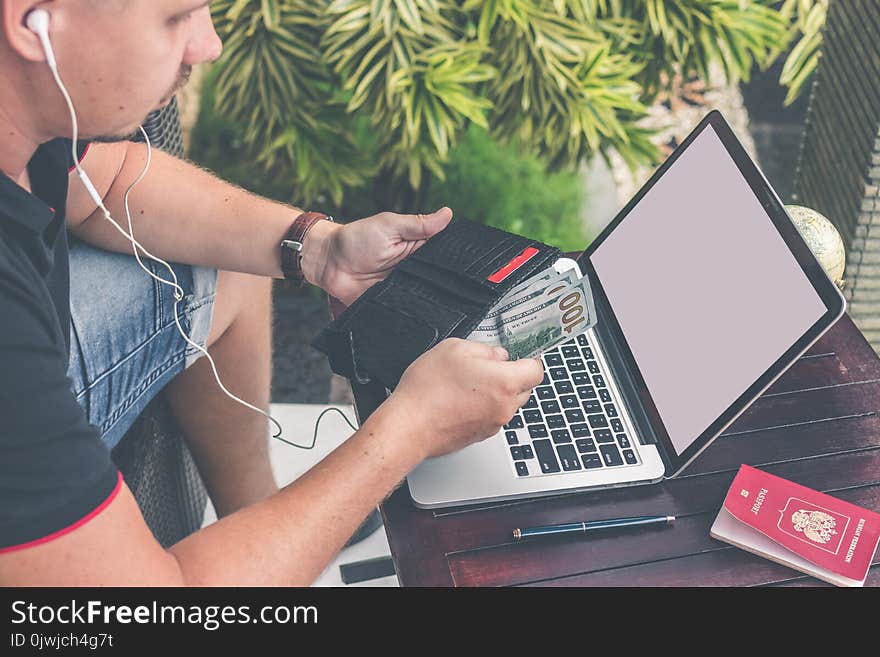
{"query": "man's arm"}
pixel 451 396
pixel 181 213
pixel 287 539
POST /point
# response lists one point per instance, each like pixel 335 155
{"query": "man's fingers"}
pixel 523 398
pixel 425 226
pixel 500 353
pixel 526 372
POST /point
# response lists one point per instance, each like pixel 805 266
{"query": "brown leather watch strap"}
pixel 291 245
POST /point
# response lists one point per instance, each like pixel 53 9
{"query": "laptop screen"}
pixel 706 292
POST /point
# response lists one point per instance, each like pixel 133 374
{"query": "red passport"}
pixel 797 526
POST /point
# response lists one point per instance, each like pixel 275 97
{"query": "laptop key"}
pixel 622 440
pixel 569 401
pixel 522 469
pixel 610 410
pixel 533 416
pixel 575 365
pixel 587 353
pixel 617 425
pixel 582 340
pixel 545 392
pixel 629 457
pixel 555 421
pixel 591 460
pixel 550 406
pixel 558 373
pixel 516 422
pixel 599 381
pixel 546 380
pixel 546 456
pixel 593 366
pixel 560 436
pixel 581 379
pixel 596 421
pixel 603 436
pixel 564 387
pixel 585 445
pixel 604 395
pixel 511 437
pixel 610 455
pixel 527 452
pixel 571 351
pixel 531 403
pixel 553 360
pixel 516 453
pixel 537 431
pixel 592 406
pixel 586 392
pixel 580 430
pixel 568 457
pixel 574 415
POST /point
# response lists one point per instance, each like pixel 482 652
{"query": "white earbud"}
pixel 37 22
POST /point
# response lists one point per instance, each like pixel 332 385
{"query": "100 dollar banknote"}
pixel 536 317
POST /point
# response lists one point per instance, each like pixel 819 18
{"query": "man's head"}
pixel 119 59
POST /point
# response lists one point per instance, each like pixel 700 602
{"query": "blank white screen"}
pixel 705 290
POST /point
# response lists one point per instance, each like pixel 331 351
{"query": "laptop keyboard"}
pixel 571 421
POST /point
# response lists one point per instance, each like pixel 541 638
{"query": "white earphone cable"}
pixel 93 193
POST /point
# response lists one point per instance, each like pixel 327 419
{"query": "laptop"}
pixel 705 294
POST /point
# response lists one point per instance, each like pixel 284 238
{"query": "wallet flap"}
pixel 400 327
pixel 444 288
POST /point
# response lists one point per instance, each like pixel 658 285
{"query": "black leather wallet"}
pixel 443 289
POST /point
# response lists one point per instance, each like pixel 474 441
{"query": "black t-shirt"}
pixel 54 470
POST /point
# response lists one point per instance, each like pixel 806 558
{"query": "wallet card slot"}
pixel 483 269
pixel 428 310
pixel 460 261
pixel 463 246
pixel 453 282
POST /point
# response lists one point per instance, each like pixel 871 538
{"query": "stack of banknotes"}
pixel 547 309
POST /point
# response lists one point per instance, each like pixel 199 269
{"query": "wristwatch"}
pixel 292 244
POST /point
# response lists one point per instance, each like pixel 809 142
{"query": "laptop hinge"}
pixel 625 381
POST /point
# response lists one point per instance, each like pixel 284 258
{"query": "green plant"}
pixel 807 18
pixel 494 184
pixel 564 80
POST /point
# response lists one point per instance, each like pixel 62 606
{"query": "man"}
pixel 66 517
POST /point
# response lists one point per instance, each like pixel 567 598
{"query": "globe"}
pixel 822 238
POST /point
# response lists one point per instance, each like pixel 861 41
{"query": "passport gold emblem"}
pixel 816 525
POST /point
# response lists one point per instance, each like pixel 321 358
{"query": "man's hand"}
pixel 460 392
pixel 345 260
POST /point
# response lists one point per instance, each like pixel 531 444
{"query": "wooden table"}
pixel 818 425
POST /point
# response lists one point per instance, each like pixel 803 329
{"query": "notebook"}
pixel 705 293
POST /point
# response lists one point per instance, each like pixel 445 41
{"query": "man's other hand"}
pixel 347 259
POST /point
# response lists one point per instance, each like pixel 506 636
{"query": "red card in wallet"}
pixel 797 526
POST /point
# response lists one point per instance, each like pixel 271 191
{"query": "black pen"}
pixel 584 527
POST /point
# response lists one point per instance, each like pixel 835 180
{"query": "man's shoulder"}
pixel 58 152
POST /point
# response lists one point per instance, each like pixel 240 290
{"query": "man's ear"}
pixel 21 40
